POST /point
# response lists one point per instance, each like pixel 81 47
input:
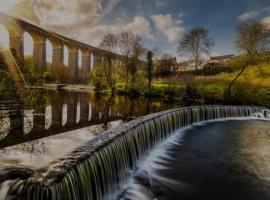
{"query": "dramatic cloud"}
pixel 169 27
pixel 248 16
pixel 139 26
pixel 62 14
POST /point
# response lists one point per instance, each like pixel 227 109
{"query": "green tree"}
pixel 135 64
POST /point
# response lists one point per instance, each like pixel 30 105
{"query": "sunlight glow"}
pixel 7 5
pixel 4 37
pixel 49 52
pixel 80 59
pixel 28 44
pixel 65 55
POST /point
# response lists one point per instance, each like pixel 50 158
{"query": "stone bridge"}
pixel 17 27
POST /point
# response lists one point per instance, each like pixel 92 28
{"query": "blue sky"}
pixel 160 23
pixel 221 17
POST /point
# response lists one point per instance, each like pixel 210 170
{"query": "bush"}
pixel 7 88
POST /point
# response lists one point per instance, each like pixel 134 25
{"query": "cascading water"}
pixel 100 168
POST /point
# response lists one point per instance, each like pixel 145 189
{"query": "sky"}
pixel 160 23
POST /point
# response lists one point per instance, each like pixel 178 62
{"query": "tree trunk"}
pixel 228 92
pixel 126 66
pixel 149 86
pixel 108 71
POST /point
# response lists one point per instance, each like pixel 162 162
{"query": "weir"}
pixel 101 167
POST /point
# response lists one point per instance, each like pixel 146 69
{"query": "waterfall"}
pixel 99 168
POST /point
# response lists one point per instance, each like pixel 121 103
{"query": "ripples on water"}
pixel 218 160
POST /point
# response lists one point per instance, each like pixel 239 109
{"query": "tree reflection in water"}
pixel 51 112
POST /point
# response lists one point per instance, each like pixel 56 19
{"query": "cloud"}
pixel 266 21
pixel 172 29
pixel 254 14
pixel 86 20
pixel 7 5
pixel 76 18
pixel 109 7
pixel 248 16
pixel 160 3
pixel 62 14
pixel 262 15
pixel 139 26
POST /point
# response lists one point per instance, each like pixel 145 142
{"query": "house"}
pixel 220 59
pixel 186 66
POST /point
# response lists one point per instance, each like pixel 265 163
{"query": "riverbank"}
pixel 253 87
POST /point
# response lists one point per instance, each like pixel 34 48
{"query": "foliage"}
pixel 164 67
pixel 99 78
pixel 58 74
pixel 135 64
pixel 149 69
pixel 7 89
pixel 253 85
pixel 253 39
pixel 29 72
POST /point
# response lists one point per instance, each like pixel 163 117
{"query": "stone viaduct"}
pixel 17 27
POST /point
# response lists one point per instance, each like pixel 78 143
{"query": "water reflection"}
pixel 56 112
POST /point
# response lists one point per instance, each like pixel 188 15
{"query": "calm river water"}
pixel 57 112
pixel 227 160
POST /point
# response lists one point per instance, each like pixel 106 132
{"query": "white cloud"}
pixel 173 33
pixel 262 15
pixel 139 26
pixel 248 16
pixel 83 19
pixel 169 27
pixel 162 22
pixel 255 14
pixel 7 5
pixel 60 14
pixel 266 21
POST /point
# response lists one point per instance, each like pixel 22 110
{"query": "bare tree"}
pixel 109 43
pixel 127 42
pixel 196 43
pixel 253 39
pixel 157 53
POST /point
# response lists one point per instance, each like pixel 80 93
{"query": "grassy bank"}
pixel 253 87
